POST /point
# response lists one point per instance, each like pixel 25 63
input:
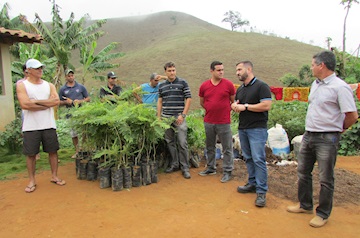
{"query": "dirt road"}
pixel 174 207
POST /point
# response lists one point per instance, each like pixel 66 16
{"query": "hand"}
pixel 77 102
pixel 68 100
pixel 179 120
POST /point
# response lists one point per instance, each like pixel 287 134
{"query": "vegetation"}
pixel 102 119
pixel 234 18
pixel 63 37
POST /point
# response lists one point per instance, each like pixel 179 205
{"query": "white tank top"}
pixel 38 120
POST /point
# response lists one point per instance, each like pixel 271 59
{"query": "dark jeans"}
pixel 321 147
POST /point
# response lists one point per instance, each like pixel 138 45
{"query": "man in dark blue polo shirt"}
pixel 174 102
pixel 71 94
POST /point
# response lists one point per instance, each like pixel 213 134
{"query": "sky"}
pixel 307 21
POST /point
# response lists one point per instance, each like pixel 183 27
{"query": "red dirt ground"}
pixel 174 207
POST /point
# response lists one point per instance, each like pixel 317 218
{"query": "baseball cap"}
pixel 33 64
pixel 68 71
pixel 111 75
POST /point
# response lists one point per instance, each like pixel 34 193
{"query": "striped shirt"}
pixel 173 96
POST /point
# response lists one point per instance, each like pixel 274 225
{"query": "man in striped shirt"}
pixel 174 102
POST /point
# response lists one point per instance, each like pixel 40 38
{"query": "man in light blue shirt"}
pixel 150 91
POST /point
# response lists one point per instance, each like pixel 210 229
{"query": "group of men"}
pixel 331 111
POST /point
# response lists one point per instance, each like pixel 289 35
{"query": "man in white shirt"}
pixel 37 99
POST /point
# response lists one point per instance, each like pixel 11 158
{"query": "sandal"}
pixel 58 182
pixel 30 189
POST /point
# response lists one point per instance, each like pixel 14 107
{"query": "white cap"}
pixel 33 64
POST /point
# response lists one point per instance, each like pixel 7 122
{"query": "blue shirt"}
pixel 152 94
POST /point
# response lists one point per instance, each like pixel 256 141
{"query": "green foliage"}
pixel 96 63
pixel 63 37
pixel 11 138
pixel 63 133
pixel 304 78
pixel 291 115
pixel 119 130
pixel 350 141
pixel 196 131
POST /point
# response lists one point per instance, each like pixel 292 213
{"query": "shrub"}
pixel 291 115
pixel 11 138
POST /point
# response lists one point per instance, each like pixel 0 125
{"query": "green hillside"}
pixel 152 40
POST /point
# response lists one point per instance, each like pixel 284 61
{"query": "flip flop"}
pixel 30 189
pixel 58 182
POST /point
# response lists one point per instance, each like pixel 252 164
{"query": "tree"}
pixel 347 4
pixel 234 18
pixel 304 78
pixel 95 63
pixel 63 37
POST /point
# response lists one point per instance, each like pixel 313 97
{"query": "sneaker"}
pixel 260 200
pixel 207 172
pixel 226 177
pixel 298 209
pixel 318 222
pixel 248 188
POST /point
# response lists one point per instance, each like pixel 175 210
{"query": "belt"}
pixel 322 132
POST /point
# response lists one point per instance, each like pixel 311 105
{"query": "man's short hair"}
pixel 153 76
pixel 169 65
pixel 214 63
pixel 327 57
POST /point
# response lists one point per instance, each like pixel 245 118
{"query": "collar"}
pixel 66 84
pixel 250 83
pixel 327 79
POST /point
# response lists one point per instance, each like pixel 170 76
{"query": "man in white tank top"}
pixel 37 99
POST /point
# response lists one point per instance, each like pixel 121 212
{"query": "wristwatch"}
pixel 246 105
pixel 183 115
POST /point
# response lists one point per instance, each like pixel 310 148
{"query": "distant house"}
pixel 7 38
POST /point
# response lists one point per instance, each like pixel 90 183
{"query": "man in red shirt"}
pixel 216 96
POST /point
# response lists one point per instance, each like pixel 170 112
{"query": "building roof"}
pixel 11 36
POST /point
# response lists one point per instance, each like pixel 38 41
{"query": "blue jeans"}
pixel 321 147
pixel 252 143
pixel 223 131
pixel 176 139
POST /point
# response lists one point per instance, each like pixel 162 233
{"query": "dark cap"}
pixel 111 75
pixel 68 71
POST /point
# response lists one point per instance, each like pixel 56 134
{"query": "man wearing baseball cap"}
pixel 37 99
pixel 111 88
pixel 71 94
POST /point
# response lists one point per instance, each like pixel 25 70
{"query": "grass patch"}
pixel 13 166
